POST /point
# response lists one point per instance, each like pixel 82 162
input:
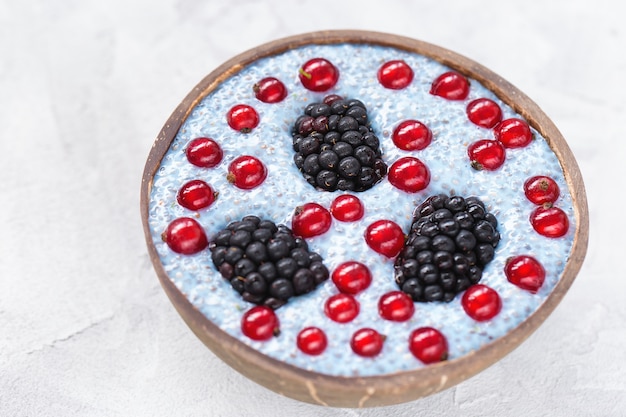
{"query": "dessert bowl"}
pixel 374 319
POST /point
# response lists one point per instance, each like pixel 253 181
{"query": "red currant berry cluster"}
pixel 490 154
pixel 351 278
pixel 525 271
pixel 487 154
pixel 185 235
pixel 408 173
pixel 546 219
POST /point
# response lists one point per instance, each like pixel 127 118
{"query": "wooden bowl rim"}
pixel 398 387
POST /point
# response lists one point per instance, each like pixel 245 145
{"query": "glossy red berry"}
pixel 204 152
pixel 318 74
pixel 396 306
pixel 549 221
pixel 260 323
pixel 242 118
pixel 312 341
pixel 347 208
pixel 409 174
pixel 310 219
pixel 385 237
pixel 367 342
pixel 184 235
pixel 395 75
pixel 481 302
pixel 412 135
pixel 513 133
pixel 525 272
pixel 486 154
pixel 352 277
pixel 428 345
pixel 270 90
pixel 196 195
pixel 246 172
pixel 450 85
pixel 484 112
pixel 541 189
pixel 341 308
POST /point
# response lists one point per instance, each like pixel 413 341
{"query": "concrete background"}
pixel 85 87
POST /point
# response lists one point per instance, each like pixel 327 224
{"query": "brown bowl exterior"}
pixel 394 388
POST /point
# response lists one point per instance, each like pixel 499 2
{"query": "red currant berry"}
pixel 341 308
pixel 486 154
pixel 428 345
pixel 396 306
pixel 513 133
pixel 312 341
pixel 310 220
pixel 260 323
pixel 541 190
pixel 484 112
pixel 242 118
pixel 196 195
pixel 270 90
pixel 549 221
pixel 347 208
pixel 409 174
pixel 481 302
pixel 450 85
pixel 395 75
pixel 204 152
pixel 352 277
pixel 412 135
pixel 185 235
pixel 367 342
pixel 318 74
pixel 246 172
pixel 525 272
pixel 385 237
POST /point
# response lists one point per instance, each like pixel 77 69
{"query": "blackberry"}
pixel 451 241
pixel 265 262
pixel 335 146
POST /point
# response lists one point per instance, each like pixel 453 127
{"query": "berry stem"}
pixel 305 74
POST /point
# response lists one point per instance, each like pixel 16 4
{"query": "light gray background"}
pixel 85 87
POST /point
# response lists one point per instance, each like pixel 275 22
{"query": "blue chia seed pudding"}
pixel 284 189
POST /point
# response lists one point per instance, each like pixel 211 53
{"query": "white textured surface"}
pixel 85 87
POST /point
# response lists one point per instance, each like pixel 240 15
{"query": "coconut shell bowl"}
pixel 358 219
